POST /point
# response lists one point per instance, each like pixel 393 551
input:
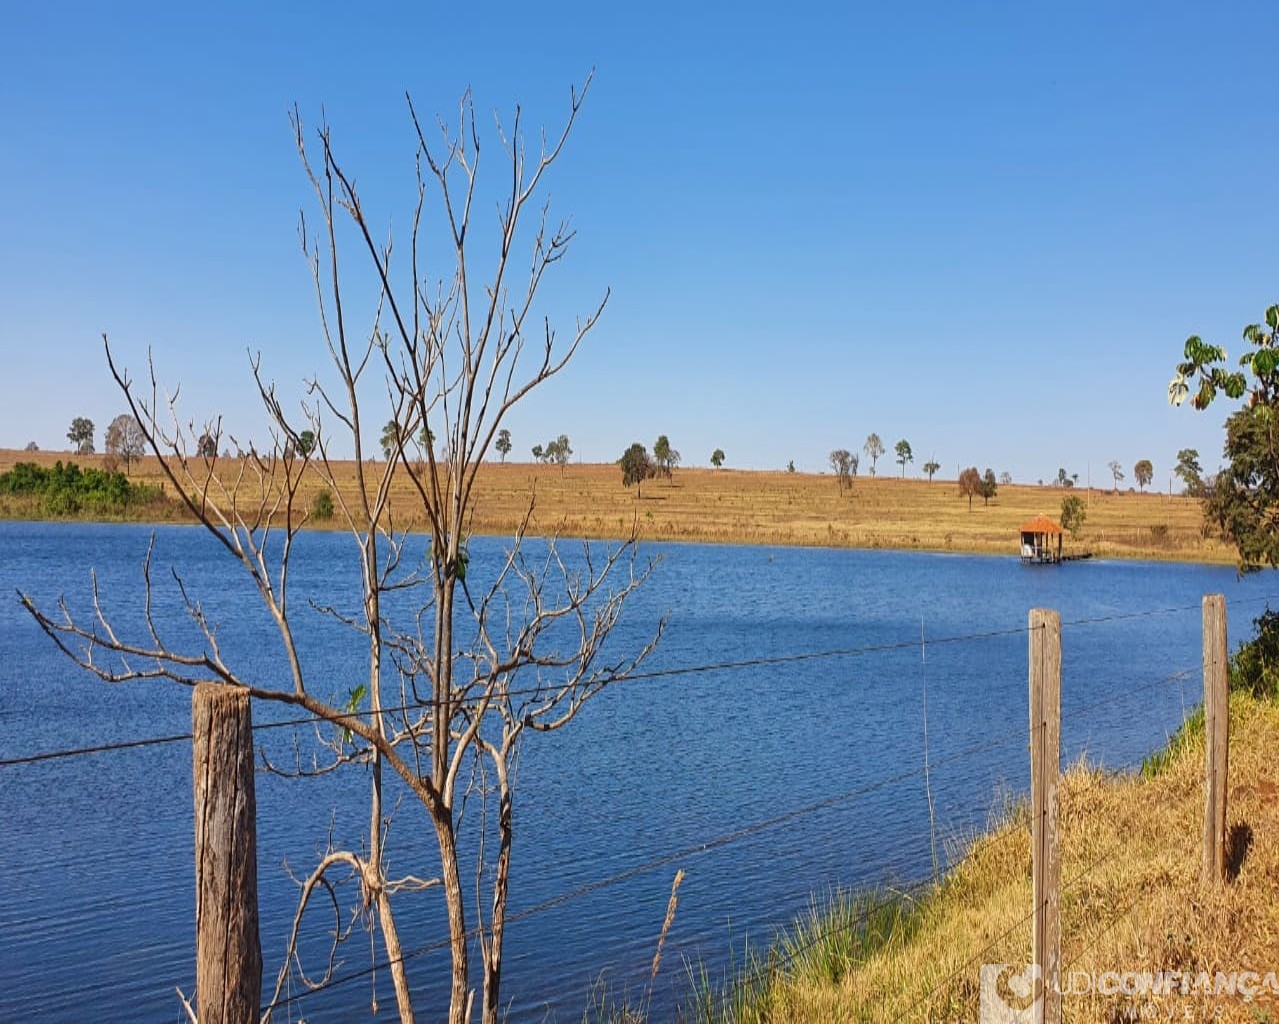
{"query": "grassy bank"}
pixel 1131 901
pixel 739 507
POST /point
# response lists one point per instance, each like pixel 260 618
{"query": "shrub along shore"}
pixel 725 506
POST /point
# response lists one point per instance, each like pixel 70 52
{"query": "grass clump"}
pixel 1189 734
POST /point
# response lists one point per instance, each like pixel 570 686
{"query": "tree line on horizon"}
pixel 124 440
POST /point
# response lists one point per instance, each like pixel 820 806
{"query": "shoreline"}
pixel 753 508
pixel 882 953
pixel 958 549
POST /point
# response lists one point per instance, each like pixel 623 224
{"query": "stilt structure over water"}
pixel 1041 541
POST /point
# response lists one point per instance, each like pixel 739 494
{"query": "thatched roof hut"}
pixel 1041 540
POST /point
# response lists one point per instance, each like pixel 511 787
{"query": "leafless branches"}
pixel 452 686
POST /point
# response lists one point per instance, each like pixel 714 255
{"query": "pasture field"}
pixel 765 508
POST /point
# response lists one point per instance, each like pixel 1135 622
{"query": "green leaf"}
pixel 1272 318
pixel 354 698
pixel 1235 385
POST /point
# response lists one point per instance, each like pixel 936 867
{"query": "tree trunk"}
pixel 441 746
pixel 458 998
pixel 395 955
pixel 493 963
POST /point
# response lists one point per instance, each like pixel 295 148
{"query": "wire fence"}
pixel 781 958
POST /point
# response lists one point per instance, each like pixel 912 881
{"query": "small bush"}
pixel 1254 669
pixel 1159 533
pixel 322 506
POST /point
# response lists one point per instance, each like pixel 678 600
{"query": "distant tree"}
pixel 306 443
pixel 1189 470
pixel 1143 473
pixel 503 443
pixel 636 467
pixel 874 448
pixel 931 467
pixel 207 446
pixel 1116 471
pixel 904 455
pixel 31 447
pixel 81 435
pixel 989 486
pixel 666 457
pixel 1064 479
pixel 841 460
pixel 970 485
pixel 1073 514
pixel 538 454
pixel 852 465
pixel 426 439
pixel 717 457
pixel 390 440
pixel 1005 478
pixel 125 439
pixel 790 466
pixel 558 451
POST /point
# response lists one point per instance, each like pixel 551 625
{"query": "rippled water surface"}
pixel 96 869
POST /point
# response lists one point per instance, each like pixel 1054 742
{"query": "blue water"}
pixel 96 869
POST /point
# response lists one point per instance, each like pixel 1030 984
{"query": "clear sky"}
pixel 986 228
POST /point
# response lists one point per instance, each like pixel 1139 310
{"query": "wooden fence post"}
pixel 228 948
pixel 1216 737
pixel 1045 766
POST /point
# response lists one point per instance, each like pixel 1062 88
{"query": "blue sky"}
pixel 984 228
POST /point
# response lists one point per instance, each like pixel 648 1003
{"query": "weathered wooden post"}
pixel 1045 766
pixel 228 948
pixel 1216 737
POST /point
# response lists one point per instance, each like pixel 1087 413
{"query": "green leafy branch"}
pixel 1205 364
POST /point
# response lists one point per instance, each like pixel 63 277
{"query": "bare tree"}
pixel 457 680
pixel 873 448
pixel 970 485
pixel 1116 471
pixel 841 461
pixel 125 439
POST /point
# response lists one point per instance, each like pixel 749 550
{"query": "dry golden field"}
pixel 752 507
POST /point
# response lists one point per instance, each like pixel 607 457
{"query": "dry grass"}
pixel 1131 901
pixel 733 506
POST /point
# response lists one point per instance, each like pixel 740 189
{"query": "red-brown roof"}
pixel 1040 524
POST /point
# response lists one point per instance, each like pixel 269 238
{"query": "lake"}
pixel 96 866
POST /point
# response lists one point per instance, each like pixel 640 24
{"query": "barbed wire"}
pixel 947 981
pixel 658 862
pixel 1128 691
pixel 534 691
pixel 634 677
pixel 1065 887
